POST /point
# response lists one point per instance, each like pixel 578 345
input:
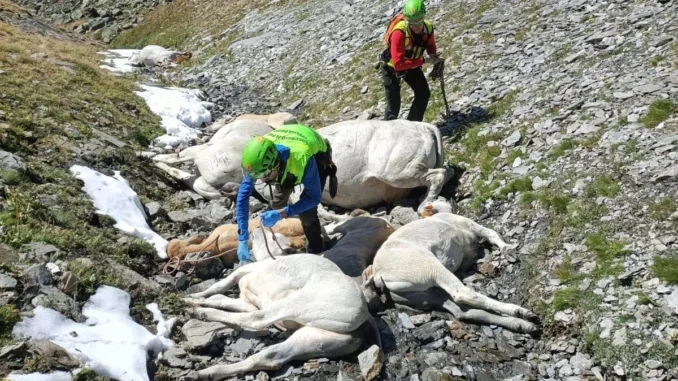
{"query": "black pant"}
pixel 417 81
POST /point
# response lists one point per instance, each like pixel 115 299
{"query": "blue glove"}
pixel 243 251
pixel 269 218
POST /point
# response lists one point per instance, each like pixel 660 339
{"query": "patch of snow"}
pixel 109 342
pixel 112 196
pixel 120 60
pixel 182 112
pixel 56 376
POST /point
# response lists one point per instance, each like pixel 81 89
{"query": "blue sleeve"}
pixel 242 207
pixel 312 195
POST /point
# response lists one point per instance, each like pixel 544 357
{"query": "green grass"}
pixel 561 148
pixel 666 269
pixel 602 186
pixel 9 316
pixel 503 105
pixel 654 61
pixel 522 184
pixel 659 111
pixel 607 252
pixel 662 209
pixel 565 298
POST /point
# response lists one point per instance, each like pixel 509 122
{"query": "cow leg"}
pixel 304 344
pixel 489 235
pixel 435 181
pixel 483 317
pixel 222 302
pixel 225 284
pixel 177 173
pixel 430 272
pixel 436 299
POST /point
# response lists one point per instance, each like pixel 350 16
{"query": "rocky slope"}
pixel 102 19
pixel 565 120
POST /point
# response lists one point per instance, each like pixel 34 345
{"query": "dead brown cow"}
pixel 228 239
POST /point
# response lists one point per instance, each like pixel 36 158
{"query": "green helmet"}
pixel 259 157
pixel 414 10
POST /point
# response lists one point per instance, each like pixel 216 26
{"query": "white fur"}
pixel 377 161
pixel 422 256
pixel 304 292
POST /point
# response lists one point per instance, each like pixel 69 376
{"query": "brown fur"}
pixel 183 57
pixel 228 239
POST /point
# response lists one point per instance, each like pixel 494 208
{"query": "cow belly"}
pixel 363 194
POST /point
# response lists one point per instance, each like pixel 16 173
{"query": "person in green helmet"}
pixel 288 156
pixel 403 58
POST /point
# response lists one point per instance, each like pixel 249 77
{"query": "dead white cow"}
pixel 377 161
pixel 154 55
pixel 297 291
pixel 218 161
pixel 416 266
pixel 382 161
pixel 302 292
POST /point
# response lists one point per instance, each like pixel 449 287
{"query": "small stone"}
pixel 405 320
pixel 623 95
pixel 513 139
pixel 420 319
pixel 202 334
pixel 371 361
pixel 295 105
pixel 653 364
pixel 7 282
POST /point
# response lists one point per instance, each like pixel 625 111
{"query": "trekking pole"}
pixel 442 87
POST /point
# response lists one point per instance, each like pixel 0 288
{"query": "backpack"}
pixel 395 19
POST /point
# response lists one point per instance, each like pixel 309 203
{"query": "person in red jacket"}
pixel 403 59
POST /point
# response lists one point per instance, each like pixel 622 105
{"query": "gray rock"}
pixel 653 364
pixel 430 331
pixel 371 361
pixel 40 274
pixel 662 40
pixel 208 269
pixel 202 334
pixel 154 209
pixel 404 320
pixel 10 161
pixel 40 251
pixel 53 298
pixel 7 282
pixel 513 139
pixel 403 216
pixel 671 172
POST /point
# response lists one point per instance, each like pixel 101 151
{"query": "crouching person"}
pixel 288 156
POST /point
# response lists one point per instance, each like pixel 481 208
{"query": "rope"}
pixel 175 263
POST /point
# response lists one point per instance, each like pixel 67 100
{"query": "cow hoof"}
pixel 530 316
pixel 531 329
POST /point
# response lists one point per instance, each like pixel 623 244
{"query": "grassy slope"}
pixel 47 112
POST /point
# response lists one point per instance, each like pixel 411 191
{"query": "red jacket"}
pixel 401 63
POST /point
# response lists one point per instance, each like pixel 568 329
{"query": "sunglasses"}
pixel 415 22
pixel 265 175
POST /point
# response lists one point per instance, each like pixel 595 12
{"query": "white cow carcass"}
pixel 382 161
pixel 417 262
pixel 218 161
pixel 154 55
pixel 305 293
pixel 377 161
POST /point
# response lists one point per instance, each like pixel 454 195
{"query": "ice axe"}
pixel 438 73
